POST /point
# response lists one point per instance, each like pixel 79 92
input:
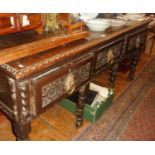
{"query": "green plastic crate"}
pixel 91 114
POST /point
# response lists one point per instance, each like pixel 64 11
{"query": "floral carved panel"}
pixel 55 89
pixel 102 57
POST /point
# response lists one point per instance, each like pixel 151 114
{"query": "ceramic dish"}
pixel 135 16
pixel 117 22
pixel 98 24
pixel 87 16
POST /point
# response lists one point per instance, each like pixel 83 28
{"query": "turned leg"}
pixel 80 105
pixel 21 130
pixel 133 65
pixel 112 74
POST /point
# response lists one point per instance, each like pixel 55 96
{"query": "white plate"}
pixel 118 22
pixel 134 16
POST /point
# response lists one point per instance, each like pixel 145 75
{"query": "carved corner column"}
pixel 81 105
pixel 12 87
pixel 22 126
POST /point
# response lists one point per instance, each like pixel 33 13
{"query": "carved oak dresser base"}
pixel 31 85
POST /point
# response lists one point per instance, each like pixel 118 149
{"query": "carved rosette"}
pixel 52 90
pixel 65 84
pixel 24 115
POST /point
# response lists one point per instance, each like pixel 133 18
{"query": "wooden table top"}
pixel 49 57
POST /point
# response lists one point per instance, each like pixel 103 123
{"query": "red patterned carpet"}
pixel 141 126
pixel 132 114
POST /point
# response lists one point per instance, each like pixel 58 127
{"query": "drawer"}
pixel 136 40
pixel 107 54
pixel 60 82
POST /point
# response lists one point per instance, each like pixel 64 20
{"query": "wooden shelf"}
pixel 15 22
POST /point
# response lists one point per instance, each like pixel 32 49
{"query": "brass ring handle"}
pixel 69 85
pixel 110 56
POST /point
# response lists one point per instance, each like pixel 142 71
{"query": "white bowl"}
pixel 84 18
pixel 98 24
pixel 87 16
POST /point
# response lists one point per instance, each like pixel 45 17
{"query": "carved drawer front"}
pixel 54 85
pixel 108 54
pixel 136 40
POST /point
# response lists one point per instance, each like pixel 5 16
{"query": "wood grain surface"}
pixel 38 46
pixel 28 49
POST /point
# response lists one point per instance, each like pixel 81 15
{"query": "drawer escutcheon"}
pixel 110 56
pixel 69 84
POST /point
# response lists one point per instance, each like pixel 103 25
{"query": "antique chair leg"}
pixel 80 105
pixel 134 63
pixel 21 131
pixel 112 74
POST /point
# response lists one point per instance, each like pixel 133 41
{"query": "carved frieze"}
pixel 9 69
pixel 57 88
pixel 27 70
